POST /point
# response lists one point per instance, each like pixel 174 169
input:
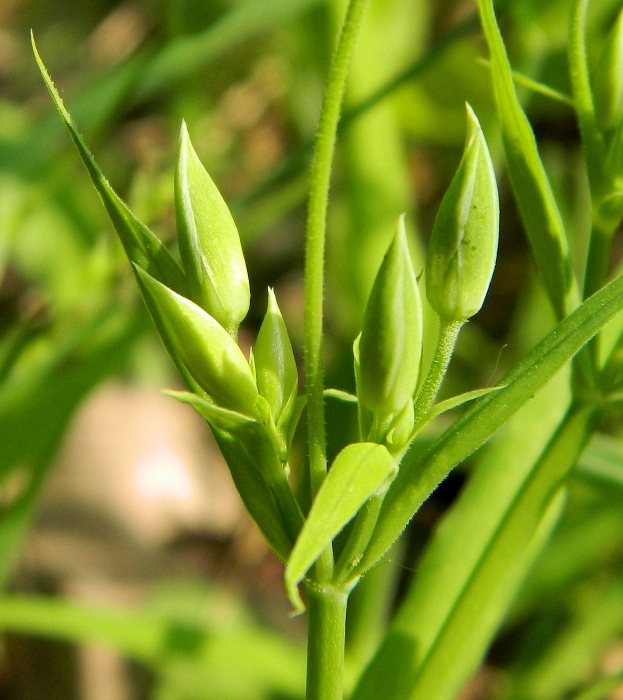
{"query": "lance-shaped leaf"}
pixel 531 187
pixel 391 338
pixel 275 366
pixel 141 245
pixel 464 242
pixel 420 474
pixel 209 242
pixel 221 418
pixel 204 347
pixel 359 471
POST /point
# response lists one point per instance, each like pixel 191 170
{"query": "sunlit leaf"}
pixel 357 473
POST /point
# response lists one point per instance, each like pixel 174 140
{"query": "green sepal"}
pixel 255 492
pixel 258 443
pixel 141 245
pixel 275 366
pixel 249 449
pixel 203 346
pixel 359 471
pixel 391 338
pixel 463 246
pixel 297 411
pixel 209 242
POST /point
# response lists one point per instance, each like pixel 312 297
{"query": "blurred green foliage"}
pixel 247 76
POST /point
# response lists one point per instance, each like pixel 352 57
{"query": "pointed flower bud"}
pixel 608 79
pixel 275 366
pixel 391 339
pixel 463 245
pixel 209 243
pixel 210 354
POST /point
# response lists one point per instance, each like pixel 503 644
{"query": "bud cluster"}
pixel 459 266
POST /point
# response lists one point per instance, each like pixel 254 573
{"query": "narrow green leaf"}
pixel 36 407
pixel 357 473
pixel 583 96
pixel 219 417
pixel 608 79
pixel 535 85
pixel 190 638
pixel 341 395
pixel 531 187
pixel 603 461
pixel 275 365
pixel 571 658
pixel 455 402
pixel 189 53
pixel 209 241
pixel 142 246
pixel 474 566
pixel 420 474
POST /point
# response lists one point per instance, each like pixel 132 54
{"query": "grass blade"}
pixel 142 246
pixel 531 187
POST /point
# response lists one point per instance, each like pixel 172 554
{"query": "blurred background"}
pixel 118 514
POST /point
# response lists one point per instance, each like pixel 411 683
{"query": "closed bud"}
pixel 275 366
pixel 463 245
pixel 204 347
pixel 209 243
pixel 391 339
pixel 608 79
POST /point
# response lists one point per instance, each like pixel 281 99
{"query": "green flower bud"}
pixel 463 245
pixel 275 366
pixel 608 79
pixel 204 347
pixel 209 243
pixel 391 339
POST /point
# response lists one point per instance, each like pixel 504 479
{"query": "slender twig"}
pixel 448 333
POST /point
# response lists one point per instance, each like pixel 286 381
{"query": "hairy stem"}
pixel 326 606
pixel 314 251
pixel 448 333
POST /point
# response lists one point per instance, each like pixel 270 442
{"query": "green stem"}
pixel 326 607
pixel 583 96
pixel 448 333
pixel 314 253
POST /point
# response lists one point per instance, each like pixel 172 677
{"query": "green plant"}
pixel 375 485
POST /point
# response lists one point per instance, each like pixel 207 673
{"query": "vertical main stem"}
pixel 326 607
pixel 326 604
pixel 315 243
pixel 314 256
